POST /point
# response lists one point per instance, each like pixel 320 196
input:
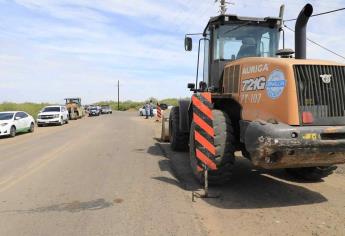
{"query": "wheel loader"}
pixel 281 110
pixel 75 110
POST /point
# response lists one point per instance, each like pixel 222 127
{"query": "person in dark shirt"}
pixel 147 110
pixel 151 108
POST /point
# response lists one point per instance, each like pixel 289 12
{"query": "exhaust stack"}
pixel 300 32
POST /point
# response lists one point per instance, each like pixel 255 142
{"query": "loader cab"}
pixel 228 37
pixel 73 100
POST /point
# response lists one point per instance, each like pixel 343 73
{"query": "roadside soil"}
pixel 261 202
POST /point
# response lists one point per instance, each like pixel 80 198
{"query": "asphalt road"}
pixel 95 176
pixel 108 175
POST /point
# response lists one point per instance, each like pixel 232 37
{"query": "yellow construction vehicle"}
pixel 75 109
pixel 281 110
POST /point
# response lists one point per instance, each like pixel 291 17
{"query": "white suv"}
pixel 52 115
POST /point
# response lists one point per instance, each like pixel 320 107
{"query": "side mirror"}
pixel 202 86
pixel 191 86
pixel 188 43
pixel 17 118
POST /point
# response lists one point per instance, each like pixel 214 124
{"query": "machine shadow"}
pixel 181 176
pixel 248 189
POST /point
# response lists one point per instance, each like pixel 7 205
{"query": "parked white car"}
pixel 142 111
pixel 57 115
pixel 13 122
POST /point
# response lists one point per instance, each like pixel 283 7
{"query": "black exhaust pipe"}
pixel 301 32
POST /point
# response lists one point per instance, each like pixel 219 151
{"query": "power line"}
pixel 319 14
pixel 317 44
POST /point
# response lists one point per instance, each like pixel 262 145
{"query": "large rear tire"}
pixel 224 141
pixel 311 173
pixel 178 139
pixel 72 115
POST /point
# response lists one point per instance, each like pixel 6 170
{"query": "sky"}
pixel 52 49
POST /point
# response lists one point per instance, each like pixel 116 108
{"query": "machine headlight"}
pixel 39 117
pixel 56 116
pixel 4 124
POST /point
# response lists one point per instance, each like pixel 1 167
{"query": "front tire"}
pixel 178 139
pixel 313 174
pixel 13 132
pixel 224 142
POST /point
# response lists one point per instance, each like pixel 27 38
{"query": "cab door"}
pixel 26 120
pixel 19 121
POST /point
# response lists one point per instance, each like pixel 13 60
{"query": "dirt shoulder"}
pixel 258 202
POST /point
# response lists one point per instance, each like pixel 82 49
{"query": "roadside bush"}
pixel 170 101
pixel 30 108
pixel 34 108
pixel 123 106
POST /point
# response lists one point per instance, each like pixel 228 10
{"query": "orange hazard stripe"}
pixel 207 96
pixel 202 107
pixel 205 160
pixel 204 142
pixel 199 169
pixel 203 125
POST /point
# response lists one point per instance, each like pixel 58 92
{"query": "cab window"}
pixel 244 40
pixel 23 115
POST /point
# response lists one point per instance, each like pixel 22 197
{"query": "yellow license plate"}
pixel 310 136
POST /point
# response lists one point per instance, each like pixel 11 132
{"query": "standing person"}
pixel 151 108
pixel 147 110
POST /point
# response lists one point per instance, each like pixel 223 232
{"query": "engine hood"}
pixel 284 61
pixel 5 121
pixel 282 89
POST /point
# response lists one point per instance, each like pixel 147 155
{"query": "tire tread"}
pixel 224 141
pixel 178 140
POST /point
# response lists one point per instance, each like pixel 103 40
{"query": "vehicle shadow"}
pixel 18 134
pixel 248 188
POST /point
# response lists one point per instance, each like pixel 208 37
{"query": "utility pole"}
pixel 223 6
pixel 118 95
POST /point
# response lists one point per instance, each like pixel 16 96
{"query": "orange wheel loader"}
pixel 281 110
